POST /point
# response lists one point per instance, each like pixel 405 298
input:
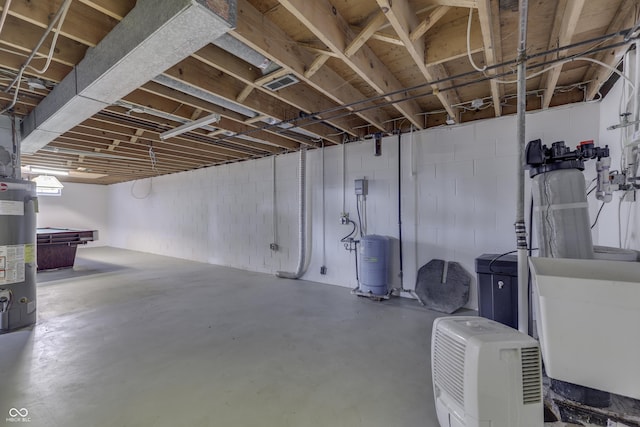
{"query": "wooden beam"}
pixel 448 43
pixel 316 65
pixel 80 140
pixel 55 73
pixel 322 19
pixel 567 27
pixel 387 38
pixel 256 119
pixel 365 34
pixel 230 119
pixel 161 104
pixel 427 23
pixel 597 75
pixel 244 94
pixel 138 134
pixel 116 9
pixel 403 20
pixel 259 32
pixel 232 150
pixel 113 145
pixel 296 98
pixel 82 23
pixel 114 128
pixel 196 113
pixel 456 3
pixel 489 39
pixel 198 74
pixel 22 36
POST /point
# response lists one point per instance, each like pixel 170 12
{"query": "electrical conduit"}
pixel 302 222
pixel 520 227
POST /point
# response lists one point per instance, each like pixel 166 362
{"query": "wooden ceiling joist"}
pixel 324 21
pixel 490 27
pixel 427 23
pixel 404 20
pixel 83 23
pixel 346 58
pixel 195 73
pixel 296 97
pixel 167 106
pixel 597 75
pixel 116 9
pixel 565 25
pixel 258 32
pixel 365 34
pixel 236 122
pixel 317 63
pixel 22 36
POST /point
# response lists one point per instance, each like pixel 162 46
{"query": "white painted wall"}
pixel 458 200
pixel 629 212
pixel 82 206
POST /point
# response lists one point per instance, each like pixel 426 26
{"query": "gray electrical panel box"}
pixel 361 187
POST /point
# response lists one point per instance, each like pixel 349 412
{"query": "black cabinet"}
pixel 498 288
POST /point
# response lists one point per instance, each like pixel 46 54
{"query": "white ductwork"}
pixel 302 222
pixel 247 54
pixel 181 86
pixel 153 37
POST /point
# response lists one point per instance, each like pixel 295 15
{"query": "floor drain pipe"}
pixel 302 221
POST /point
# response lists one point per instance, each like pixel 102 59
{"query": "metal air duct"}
pixel 151 38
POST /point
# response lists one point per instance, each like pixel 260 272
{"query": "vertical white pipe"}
pixel 344 177
pixel 275 205
pixel 636 80
pixel 521 231
pixel 302 221
pixel 324 220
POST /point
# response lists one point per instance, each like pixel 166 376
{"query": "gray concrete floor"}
pixel 132 339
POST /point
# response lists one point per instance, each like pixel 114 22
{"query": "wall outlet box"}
pixel 361 187
pixel 323 270
pixel 273 246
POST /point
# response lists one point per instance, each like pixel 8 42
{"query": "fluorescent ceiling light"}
pixel 212 118
pixel 48 185
pixel 49 171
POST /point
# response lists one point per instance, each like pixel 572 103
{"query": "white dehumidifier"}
pixel 485 374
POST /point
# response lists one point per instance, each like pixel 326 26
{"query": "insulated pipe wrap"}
pixel 302 221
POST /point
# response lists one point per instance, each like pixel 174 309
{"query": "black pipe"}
pixel 400 205
pixel 309 118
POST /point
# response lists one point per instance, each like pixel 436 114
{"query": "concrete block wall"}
pixel 458 200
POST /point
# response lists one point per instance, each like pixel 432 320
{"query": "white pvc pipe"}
pixel 324 219
pixel 344 177
pixel 636 82
pixel 521 232
pixel 274 200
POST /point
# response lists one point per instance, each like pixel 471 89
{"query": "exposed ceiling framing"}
pixel 362 66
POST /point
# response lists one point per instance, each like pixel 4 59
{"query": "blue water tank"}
pixel 373 264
